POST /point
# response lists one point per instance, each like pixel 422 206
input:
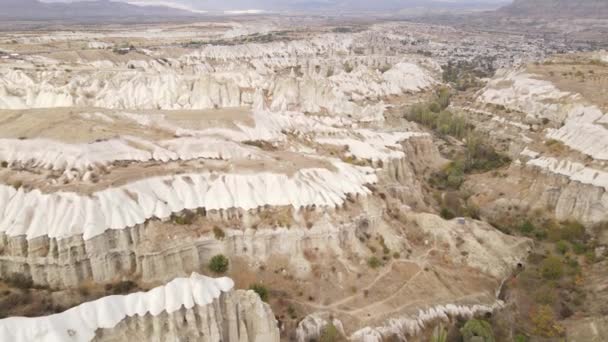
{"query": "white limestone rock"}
pixel 196 306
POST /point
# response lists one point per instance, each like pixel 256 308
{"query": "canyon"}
pixel 264 180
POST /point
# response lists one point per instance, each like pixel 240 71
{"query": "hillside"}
pixel 102 9
pixel 557 8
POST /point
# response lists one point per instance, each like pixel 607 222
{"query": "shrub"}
pixel 446 214
pixel 551 268
pixel 374 262
pixel 291 311
pixel 561 247
pixel 219 264
pixel 121 287
pixel 218 233
pixel 434 107
pixel 540 234
pixel 477 330
pixel 443 97
pixel 572 231
pixel 578 248
pixel 455 178
pixel 527 227
pixel 481 156
pixel 546 295
pixel 543 319
pixel 185 219
pixel 451 177
pixel 20 281
pixel 261 290
pixel 330 333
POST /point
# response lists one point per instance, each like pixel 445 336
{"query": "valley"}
pixel 301 179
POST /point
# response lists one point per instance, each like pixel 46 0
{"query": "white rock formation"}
pixel 197 307
pixel 311 327
pixel 583 124
pixel 62 214
pixel 404 327
pixel 55 155
pixel 261 76
pixel 574 171
pixel 374 146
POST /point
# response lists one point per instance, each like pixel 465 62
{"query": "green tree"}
pixel 219 264
pixel 261 290
pixel 551 268
pixel 477 328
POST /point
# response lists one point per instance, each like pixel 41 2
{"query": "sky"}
pixel 214 5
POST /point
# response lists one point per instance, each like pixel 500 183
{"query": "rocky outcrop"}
pixel 400 328
pixel 198 308
pixel 234 317
pixel 312 326
pixel 63 214
pixel 581 124
pixel 539 187
pixel 135 253
pixel 565 184
pixel 154 85
pixel 582 194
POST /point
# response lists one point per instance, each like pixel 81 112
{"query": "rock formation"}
pixel 198 308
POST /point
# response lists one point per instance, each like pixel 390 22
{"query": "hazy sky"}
pixel 282 4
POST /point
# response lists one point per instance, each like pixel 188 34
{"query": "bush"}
pixel 451 177
pixel 184 219
pixel 543 319
pixel 330 333
pixel 218 233
pixel 527 227
pixel 540 234
pixel 219 264
pixel 561 247
pixel 481 156
pixel 446 214
pixel 572 231
pixel 434 107
pixel 546 295
pixel 477 330
pixel 443 97
pixel 121 287
pixel 441 121
pixel 20 281
pixel 291 311
pixel 579 248
pixel 374 262
pixel 261 290
pixel 552 268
